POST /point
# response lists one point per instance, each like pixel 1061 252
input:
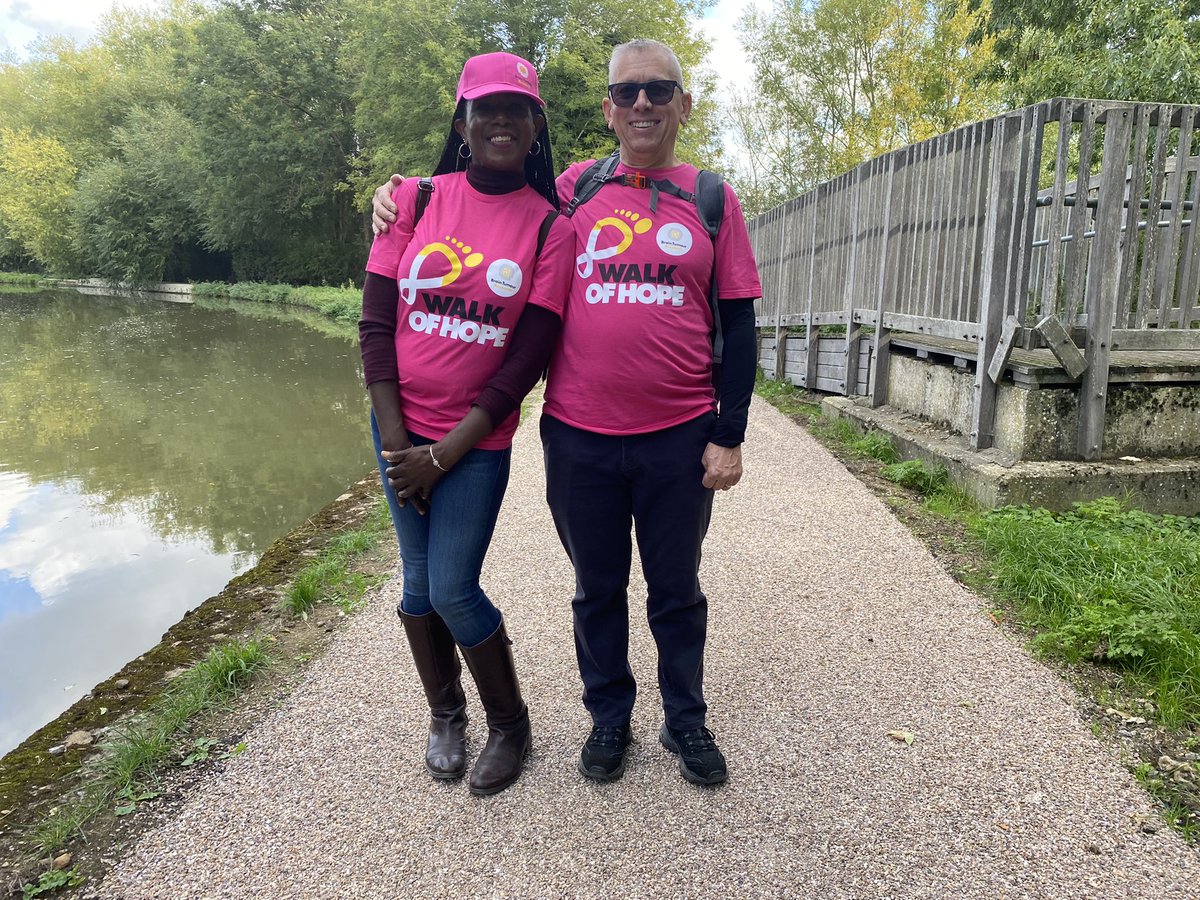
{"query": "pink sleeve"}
pixel 389 246
pixel 737 272
pixel 552 275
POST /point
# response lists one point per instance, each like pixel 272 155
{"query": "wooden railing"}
pixel 984 235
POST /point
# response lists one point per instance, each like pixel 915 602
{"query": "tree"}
pixel 405 97
pixel 133 218
pixel 842 81
pixel 270 101
pixel 37 179
pixel 1104 49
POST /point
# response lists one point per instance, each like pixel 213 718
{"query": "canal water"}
pixel 149 452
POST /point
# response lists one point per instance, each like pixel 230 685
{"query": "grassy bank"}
pixel 1112 592
pixel 341 304
pixel 21 279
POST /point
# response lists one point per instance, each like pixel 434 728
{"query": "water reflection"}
pixel 148 452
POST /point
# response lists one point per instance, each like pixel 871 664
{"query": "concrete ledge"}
pixel 177 291
pixel 995 478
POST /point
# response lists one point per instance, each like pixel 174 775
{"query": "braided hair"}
pixel 539 165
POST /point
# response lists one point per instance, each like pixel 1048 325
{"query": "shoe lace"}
pixel 700 740
pixel 607 736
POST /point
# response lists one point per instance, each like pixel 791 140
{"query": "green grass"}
pixel 24 279
pixel 329 577
pixel 146 744
pixel 341 304
pixel 1111 584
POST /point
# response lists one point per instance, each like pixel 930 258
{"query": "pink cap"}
pixel 498 73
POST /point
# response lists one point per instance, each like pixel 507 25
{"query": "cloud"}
pixel 728 59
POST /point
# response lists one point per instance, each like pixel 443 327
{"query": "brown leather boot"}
pixel 508 743
pixel 433 651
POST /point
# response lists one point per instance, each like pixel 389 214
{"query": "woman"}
pixel 460 313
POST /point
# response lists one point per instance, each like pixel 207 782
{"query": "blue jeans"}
pixel 600 487
pixel 442 551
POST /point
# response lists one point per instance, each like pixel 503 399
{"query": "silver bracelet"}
pixel 436 464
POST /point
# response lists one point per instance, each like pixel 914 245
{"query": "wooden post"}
pixel 887 274
pixel 1000 230
pixel 1103 281
pixel 853 330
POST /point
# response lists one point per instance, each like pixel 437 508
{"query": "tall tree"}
pixel 1104 49
pixel 842 81
pixel 37 179
pixel 270 101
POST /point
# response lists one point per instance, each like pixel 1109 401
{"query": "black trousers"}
pixel 598 486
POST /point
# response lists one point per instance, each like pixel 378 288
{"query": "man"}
pixel 630 426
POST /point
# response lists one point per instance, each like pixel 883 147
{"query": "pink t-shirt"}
pixel 636 351
pixel 464 278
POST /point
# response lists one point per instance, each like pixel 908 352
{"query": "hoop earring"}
pixel 461 148
pixel 537 145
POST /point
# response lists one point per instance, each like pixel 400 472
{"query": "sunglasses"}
pixel 625 93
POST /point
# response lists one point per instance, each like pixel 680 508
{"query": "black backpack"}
pixel 709 200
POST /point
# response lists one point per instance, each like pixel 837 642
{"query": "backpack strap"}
pixel 593 178
pixel 710 204
pixel 424 193
pixel 709 200
pixel 544 231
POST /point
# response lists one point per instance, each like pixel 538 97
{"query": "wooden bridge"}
pixel 1051 245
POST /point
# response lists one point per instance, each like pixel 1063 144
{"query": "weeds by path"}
pixel 330 577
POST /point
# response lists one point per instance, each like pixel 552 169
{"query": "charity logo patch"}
pixel 504 277
pixel 625 223
pixel 522 70
pixel 674 239
pixel 448 250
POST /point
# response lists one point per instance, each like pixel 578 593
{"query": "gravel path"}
pixel 830 626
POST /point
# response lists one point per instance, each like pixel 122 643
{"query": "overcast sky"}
pixel 23 21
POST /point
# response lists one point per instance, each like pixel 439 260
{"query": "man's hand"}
pixel 383 210
pixel 722 466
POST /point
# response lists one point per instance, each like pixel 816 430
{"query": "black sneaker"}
pixel 603 755
pixel 700 762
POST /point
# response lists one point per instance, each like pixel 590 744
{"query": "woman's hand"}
pixel 412 475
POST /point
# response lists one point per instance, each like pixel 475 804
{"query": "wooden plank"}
pixel 1189 268
pixel 783 240
pixel 818 226
pixel 1156 339
pixel 1126 309
pixel 1151 240
pixel 1164 275
pixel 1004 350
pixel 853 332
pixel 999 234
pixel 1058 342
pixel 940 327
pixel 1104 280
pixel 878 376
pixel 1033 125
pixel 1062 156
pixel 1074 271
pixel 979 226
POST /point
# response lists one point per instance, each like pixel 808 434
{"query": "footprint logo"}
pixel 449 250
pixel 626 222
